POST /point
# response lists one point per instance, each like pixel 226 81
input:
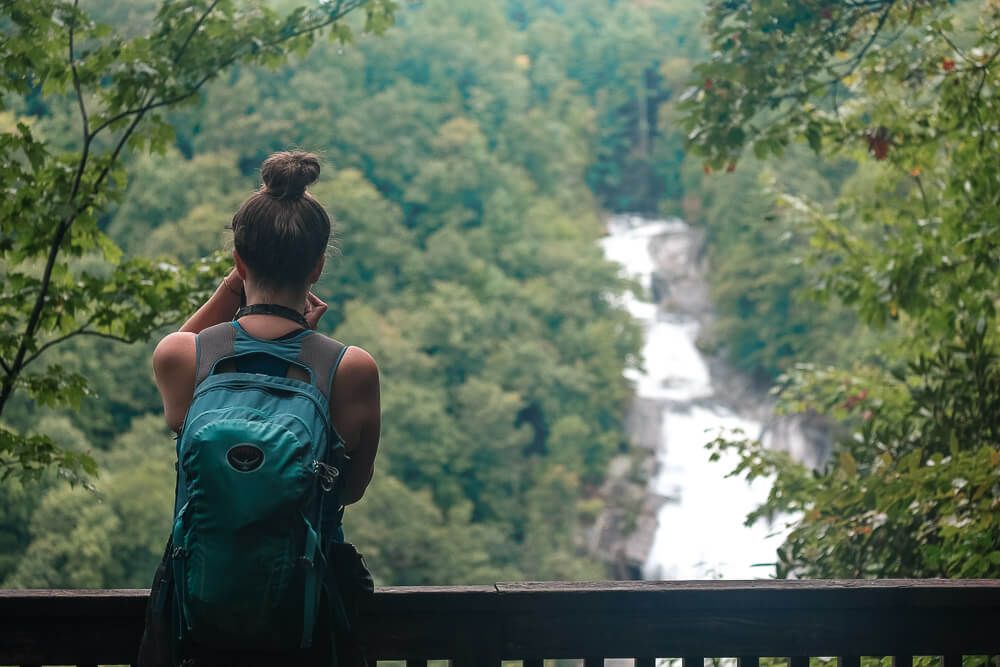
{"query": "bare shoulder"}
pixel 175 353
pixel 174 362
pixel 358 371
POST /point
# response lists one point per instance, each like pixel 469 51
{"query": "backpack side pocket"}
pixel 157 647
pixel 350 587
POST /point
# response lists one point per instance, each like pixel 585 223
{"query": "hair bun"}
pixel 287 174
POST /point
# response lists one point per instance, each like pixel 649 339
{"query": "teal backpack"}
pixel 259 466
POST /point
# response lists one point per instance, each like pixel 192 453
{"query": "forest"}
pixel 845 178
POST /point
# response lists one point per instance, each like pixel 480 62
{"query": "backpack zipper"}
pixel 324 410
pixel 327 473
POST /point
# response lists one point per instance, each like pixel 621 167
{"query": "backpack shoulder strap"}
pixel 322 355
pixel 213 344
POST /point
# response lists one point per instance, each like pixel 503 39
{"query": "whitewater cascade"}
pixel 700 532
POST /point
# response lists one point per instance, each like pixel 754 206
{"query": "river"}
pixel 700 531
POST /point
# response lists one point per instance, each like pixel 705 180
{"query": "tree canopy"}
pixel 837 154
pixel 63 276
pixel 462 185
pixel 901 89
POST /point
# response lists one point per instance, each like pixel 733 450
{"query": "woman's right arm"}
pixel 174 358
pixel 220 307
pixel 174 368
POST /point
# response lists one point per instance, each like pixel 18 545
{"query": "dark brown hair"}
pixel 281 231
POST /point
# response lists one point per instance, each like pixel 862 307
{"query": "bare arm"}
pixel 174 358
pixel 174 368
pixel 356 413
pixel 220 307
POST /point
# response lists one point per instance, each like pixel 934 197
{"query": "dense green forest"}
pixel 467 186
pixel 839 156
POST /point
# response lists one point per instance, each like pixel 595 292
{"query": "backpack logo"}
pixel 245 457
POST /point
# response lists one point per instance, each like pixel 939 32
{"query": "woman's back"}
pixel 232 380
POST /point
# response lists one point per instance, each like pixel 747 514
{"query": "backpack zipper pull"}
pixel 327 475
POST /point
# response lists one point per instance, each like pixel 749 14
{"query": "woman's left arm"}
pixel 220 307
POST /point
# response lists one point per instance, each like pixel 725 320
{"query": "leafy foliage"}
pixel 63 277
pixel 112 534
pixel 460 181
pixel 766 321
pixel 908 244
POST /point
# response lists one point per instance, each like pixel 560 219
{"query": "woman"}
pixel 280 235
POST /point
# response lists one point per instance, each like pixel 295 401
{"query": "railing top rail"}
pixel 505 596
pixel 588 587
pixel 534 620
pixel 772 594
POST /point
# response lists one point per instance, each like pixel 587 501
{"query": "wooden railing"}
pixel 646 621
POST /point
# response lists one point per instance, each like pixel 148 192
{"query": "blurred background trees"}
pixel 458 179
pixel 839 156
pixel 106 95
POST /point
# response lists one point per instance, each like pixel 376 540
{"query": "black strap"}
pixel 273 309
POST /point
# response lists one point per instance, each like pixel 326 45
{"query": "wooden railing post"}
pixel 482 646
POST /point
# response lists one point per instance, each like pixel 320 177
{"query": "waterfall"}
pixel 700 532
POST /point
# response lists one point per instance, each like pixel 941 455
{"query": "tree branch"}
pixel 923 195
pixel 338 13
pixel 82 330
pixel 36 312
pixel 146 107
pixel 972 108
pixel 114 158
pixel 43 289
pixel 865 3
pixel 87 136
pixel 61 229
pixel 871 40
pixel 7 388
pixel 76 75
pixel 955 47
pixel 190 35
pixel 854 62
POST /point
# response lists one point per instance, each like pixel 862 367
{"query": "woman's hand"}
pixel 220 307
pixel 315 307
pixel 234 283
